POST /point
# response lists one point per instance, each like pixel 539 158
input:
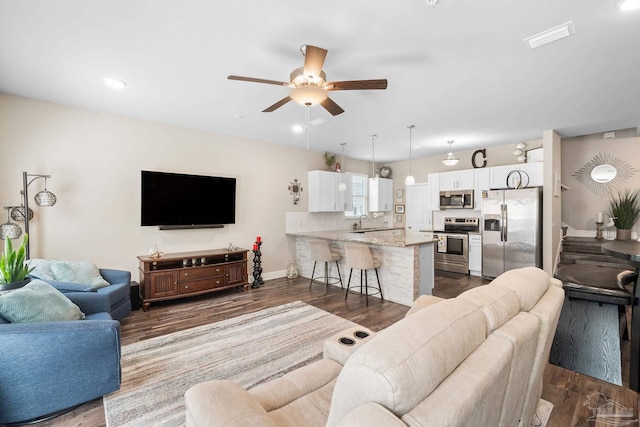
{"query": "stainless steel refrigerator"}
pixel 511 230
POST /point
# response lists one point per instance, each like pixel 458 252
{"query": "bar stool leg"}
pixel 326 276
pixel 348 284
pixel 312 273
pixel 379 286
pixel 339 275
pixel 366 286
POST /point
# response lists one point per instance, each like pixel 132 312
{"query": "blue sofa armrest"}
pixel 50 366
pixel 115 276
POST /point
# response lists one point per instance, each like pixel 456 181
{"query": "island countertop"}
pixel 391 237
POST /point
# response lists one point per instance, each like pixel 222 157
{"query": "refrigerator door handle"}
pixel 505 223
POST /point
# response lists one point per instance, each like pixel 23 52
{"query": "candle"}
pixel 600 217
pixel 255 246
pixel 258 239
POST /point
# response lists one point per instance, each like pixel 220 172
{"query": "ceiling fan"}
pixel 309 84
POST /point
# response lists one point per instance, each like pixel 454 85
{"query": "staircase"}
pixel 586 250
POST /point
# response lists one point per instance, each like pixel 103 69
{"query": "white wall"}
pixel 95 160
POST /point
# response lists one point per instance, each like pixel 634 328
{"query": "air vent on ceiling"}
pixel 550 35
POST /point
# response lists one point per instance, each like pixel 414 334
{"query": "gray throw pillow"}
pixel 79 272
pixel 38 302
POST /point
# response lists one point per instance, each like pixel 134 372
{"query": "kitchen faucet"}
pixel 360 221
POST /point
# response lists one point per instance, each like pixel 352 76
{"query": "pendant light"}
pixel 373 156
pixel 342 186
pixel 451 159
pixel 410 180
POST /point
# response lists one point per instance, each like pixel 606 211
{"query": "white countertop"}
pixel 386 237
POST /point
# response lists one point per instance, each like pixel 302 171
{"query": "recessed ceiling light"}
pixel 115 84
pixel 628 4
pixel 297 128
pixel 550 35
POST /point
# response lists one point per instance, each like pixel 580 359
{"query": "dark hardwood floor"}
pixel 567 390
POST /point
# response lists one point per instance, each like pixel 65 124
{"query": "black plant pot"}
pixel 14 285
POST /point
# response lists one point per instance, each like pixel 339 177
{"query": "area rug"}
pixel 248 349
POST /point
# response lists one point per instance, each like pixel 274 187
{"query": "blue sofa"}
pixel 118 294
pixel 48 367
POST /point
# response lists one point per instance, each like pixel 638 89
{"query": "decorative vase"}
pixel 292 271
pixel 14 285
pixel 623 234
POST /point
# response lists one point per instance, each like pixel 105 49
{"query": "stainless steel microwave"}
pixel 462 199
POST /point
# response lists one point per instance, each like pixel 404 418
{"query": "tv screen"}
pixel 173 199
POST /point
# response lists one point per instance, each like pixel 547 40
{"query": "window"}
pixel 359 195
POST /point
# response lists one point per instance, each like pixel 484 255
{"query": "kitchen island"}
pixel 406 256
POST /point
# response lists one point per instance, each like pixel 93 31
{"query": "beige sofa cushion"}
pixel 295 384
pixel 472 395
pixel 498 304
pixel 529 283
pixel 403 364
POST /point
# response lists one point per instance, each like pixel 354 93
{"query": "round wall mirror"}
pixel 603 173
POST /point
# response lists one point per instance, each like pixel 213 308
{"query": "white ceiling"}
pixel 459 70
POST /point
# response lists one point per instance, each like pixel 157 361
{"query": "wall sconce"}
pixel 295 188
pixel 43 198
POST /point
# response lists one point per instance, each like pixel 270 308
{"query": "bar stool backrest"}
pixel 320 250
pixel 358 256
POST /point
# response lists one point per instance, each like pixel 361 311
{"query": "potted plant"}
pixel 624 211
pixel 329 160
pixel 13 269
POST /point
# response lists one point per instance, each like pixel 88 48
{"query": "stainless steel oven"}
pixel 452 247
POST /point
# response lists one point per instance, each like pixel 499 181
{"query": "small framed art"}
pixel 535 155
pixel 399 209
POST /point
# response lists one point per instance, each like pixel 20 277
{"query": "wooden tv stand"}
pixel 173 276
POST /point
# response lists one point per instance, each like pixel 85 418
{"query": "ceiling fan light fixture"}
pixel 451 159
pixel 308 95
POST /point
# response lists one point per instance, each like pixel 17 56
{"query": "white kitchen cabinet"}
pixel 380 195
pixel 417 208
pixel 481 182
pixel 434 191
pixel 324 193
pixel 456 180
pixel 475 254
pixel 500 174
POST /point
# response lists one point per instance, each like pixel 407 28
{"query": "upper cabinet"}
pixel 434 191
pixel 324 192
pixel 513 176
pixel 380 195
pixel 456 180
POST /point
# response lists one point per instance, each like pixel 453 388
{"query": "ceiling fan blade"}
pixel 332 107
pixel 252 79
pixel 276 105
pixel 357 85
pixel 314 60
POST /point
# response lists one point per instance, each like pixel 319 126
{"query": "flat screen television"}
pixel 174 201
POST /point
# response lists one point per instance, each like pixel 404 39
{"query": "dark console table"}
pixel 183 274
pixel 629 250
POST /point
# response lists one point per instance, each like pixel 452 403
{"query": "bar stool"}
pixel 320 252
pixel 359 257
